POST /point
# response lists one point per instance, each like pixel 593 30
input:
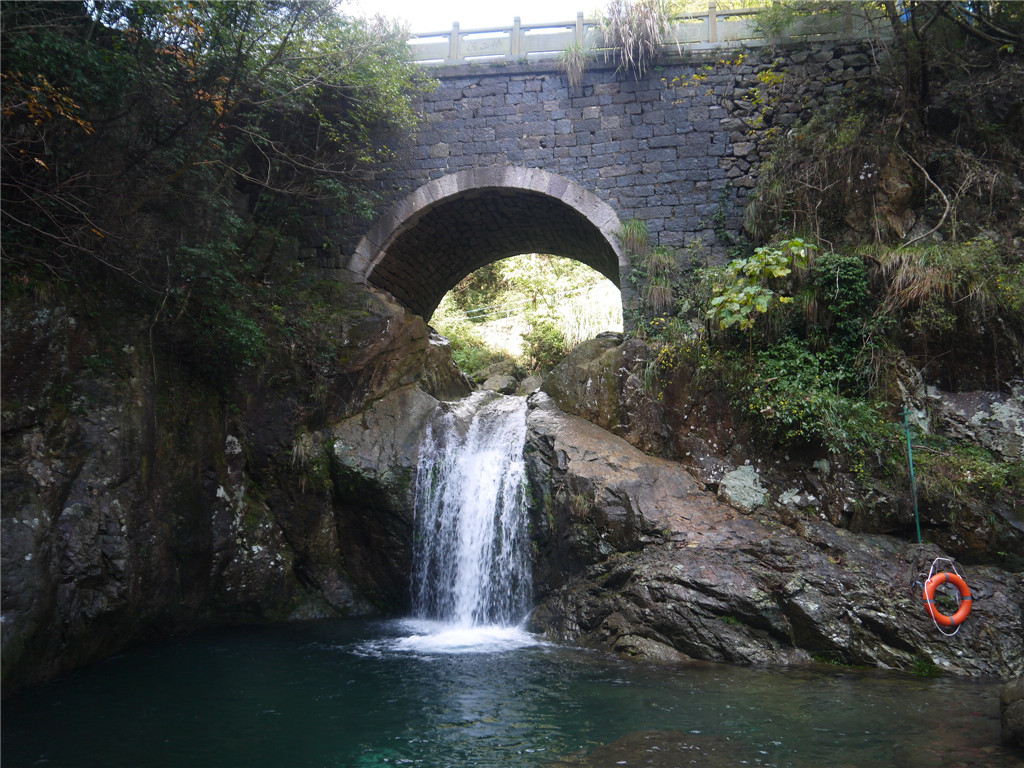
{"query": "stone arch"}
pixel 450 227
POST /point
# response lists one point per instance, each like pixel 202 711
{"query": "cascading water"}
pixel 472 565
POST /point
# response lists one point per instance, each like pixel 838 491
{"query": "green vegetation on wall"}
pixel 887 234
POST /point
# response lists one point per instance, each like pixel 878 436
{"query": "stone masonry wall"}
pixel 683 159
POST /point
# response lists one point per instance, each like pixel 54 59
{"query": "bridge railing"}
pixel 715 28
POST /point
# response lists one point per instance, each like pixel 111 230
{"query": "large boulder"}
pixel 602 381
pixel 505 385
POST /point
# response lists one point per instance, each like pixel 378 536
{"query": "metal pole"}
pixel 913 482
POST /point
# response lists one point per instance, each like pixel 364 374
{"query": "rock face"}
pixel 639 558
pixel 135 508
pixel 993 420
pixel 692 422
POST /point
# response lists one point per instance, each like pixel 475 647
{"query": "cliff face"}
pixel 139 502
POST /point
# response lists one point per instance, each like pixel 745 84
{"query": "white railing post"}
pixel 712 22
pixel 517 38
pixel 579 28
pixel 453 43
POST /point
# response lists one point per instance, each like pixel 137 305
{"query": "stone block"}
pixel 612 171
pixel 657 142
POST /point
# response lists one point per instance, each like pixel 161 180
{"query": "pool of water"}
pixel 364 693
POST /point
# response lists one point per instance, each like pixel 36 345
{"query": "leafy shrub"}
pixel 131 129
pixel 469 350
pixel 545 344
pixel 744 291
pixel 795 397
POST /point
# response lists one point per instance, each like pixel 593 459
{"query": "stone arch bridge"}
pixel 510 159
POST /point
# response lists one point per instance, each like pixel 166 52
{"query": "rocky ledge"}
pixel 636 556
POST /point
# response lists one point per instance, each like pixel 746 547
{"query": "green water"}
pixel 358 693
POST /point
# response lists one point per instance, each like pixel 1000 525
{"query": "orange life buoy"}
pixel 965 599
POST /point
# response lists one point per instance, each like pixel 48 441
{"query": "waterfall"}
pixel 472 564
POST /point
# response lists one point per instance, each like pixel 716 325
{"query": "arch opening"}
pixel 451 227
pixel 524 304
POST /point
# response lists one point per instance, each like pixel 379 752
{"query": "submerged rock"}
pixel 1011 710
pixel 665 749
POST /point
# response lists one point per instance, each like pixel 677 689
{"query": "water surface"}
pixel 371 693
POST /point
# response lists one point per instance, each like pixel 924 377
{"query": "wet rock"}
pixel 373 458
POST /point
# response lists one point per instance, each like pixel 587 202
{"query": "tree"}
pixel 131 129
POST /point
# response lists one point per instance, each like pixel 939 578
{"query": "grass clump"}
pixel 633 32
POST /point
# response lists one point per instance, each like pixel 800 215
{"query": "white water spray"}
pixel 472 565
